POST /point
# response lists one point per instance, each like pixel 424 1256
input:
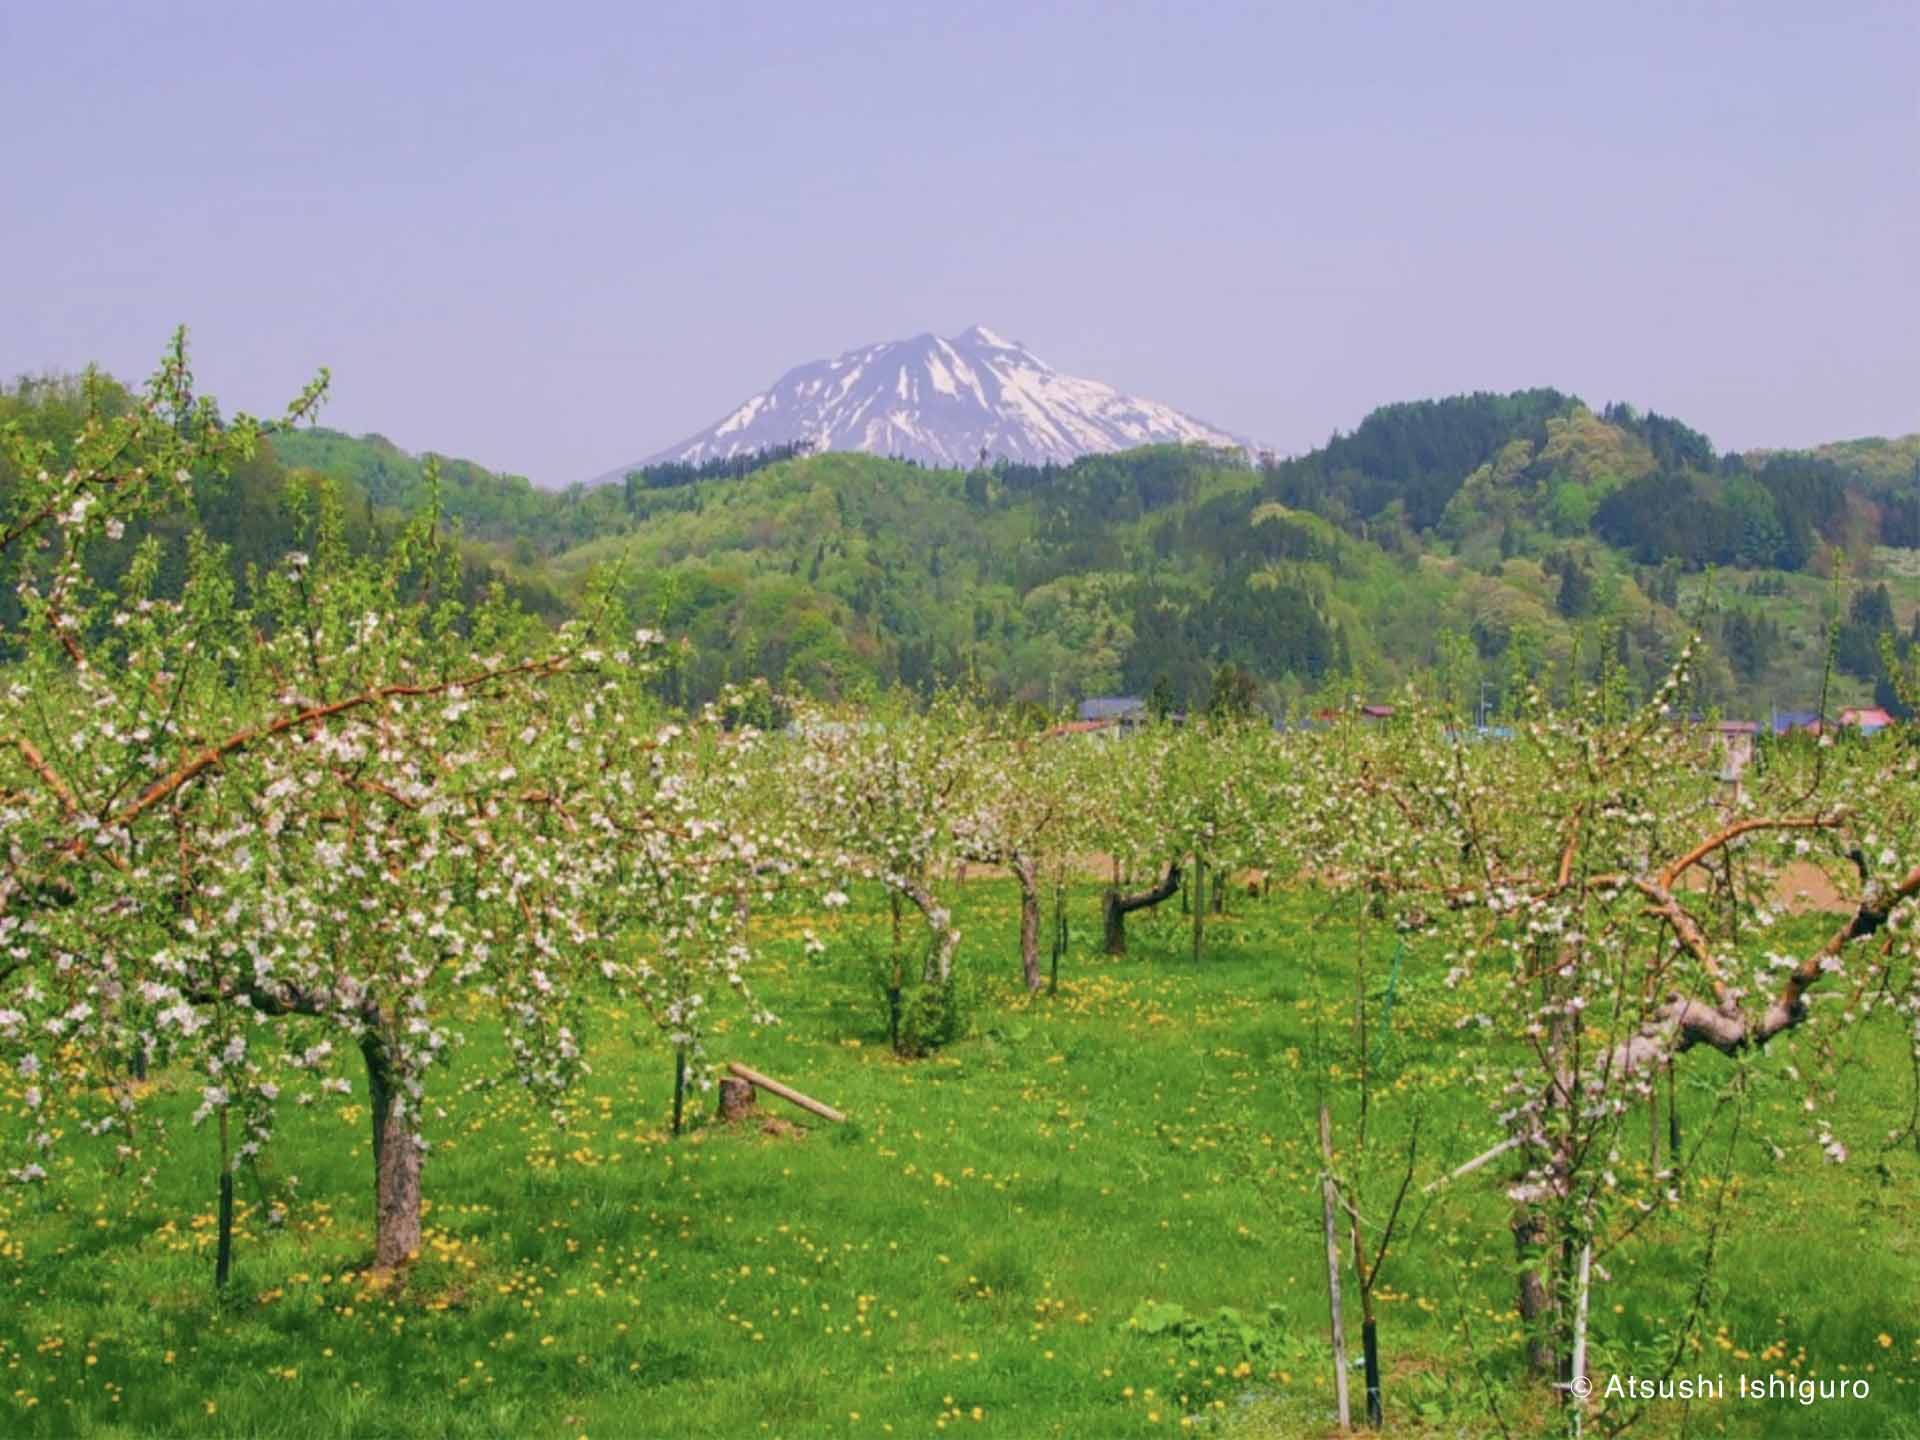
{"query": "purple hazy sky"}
pixel 554 238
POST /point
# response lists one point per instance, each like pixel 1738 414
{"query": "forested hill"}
pixel 503 509
pixel 1498 531
pixel 1505 536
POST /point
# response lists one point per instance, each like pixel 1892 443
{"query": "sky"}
pixel 556 238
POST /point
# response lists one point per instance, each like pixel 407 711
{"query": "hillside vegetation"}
pixel 1509 538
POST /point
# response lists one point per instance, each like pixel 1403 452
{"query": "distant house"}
pixel 1869 718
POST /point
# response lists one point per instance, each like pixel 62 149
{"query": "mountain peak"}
pixel 943 402
pixel 981 335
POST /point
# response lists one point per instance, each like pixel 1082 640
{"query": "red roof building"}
pixel 1868 717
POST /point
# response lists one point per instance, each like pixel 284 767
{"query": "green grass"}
pixel 966 1254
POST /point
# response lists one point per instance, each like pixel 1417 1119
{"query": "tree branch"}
pixel 240 739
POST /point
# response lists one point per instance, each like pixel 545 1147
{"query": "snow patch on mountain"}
pixel 942 402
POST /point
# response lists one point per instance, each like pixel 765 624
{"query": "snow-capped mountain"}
pixel 942 402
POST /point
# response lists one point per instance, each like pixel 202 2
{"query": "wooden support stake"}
pixel 1327 1204
pixel 1511 1142
pixel 1583 1290
pixel 791 1096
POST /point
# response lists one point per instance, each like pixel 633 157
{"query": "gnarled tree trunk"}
pixel 946 939
pixel 396 1160
pixel 1119 906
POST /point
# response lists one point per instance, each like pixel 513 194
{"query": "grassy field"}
pixel 1096 1215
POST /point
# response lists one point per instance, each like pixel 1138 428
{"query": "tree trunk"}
pixel 893 904
pixel 1119 906
pixel 396 1161
pixel 1530 1246
pixel 939 967
pixel 1027 871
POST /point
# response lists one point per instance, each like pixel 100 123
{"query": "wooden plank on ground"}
pixel 785 1092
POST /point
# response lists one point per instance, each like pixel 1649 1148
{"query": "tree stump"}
pixel 737 1100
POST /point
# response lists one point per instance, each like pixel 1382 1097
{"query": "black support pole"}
pixel 223 1257
pixel 1370 1348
